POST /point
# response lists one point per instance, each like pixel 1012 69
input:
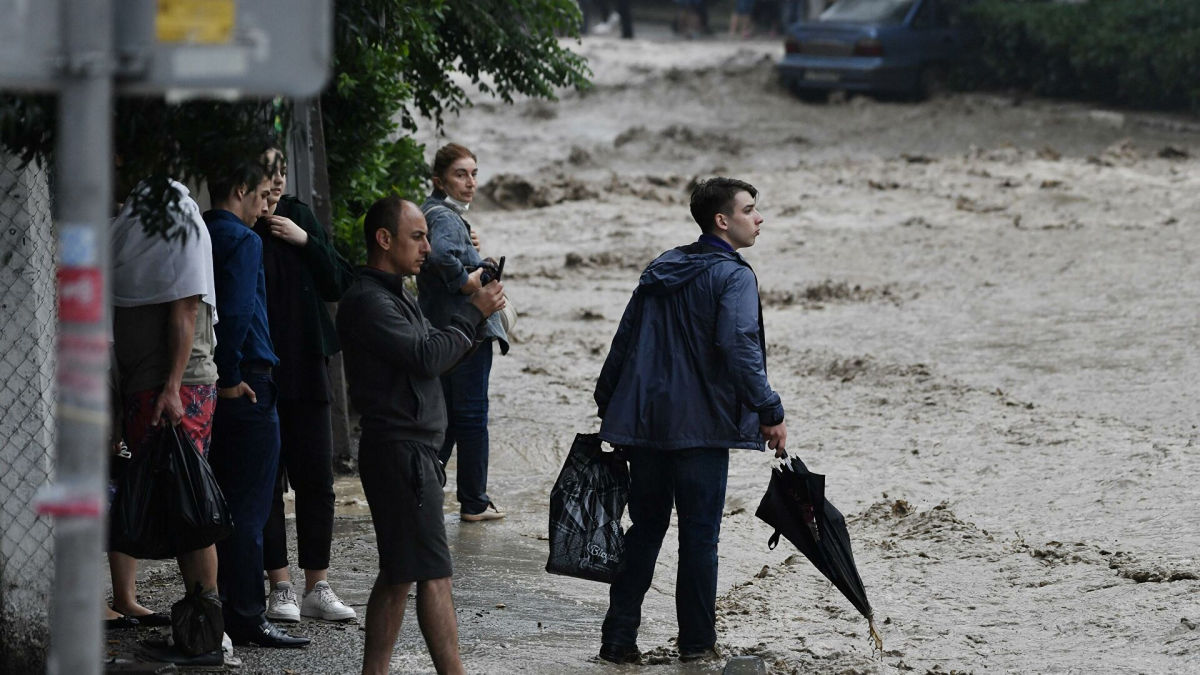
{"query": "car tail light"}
pixel 791 46
pixel 868 47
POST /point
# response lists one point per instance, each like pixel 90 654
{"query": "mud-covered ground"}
pixel 981 315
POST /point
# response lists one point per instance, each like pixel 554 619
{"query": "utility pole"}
pixel 83 171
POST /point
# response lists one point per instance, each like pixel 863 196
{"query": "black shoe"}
pixel 619 653
pixel 267 634
pixel 153 620
pixel 121 623
pixel 160 651
pixel 687 654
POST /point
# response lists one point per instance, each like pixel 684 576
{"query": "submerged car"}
pixel 878 46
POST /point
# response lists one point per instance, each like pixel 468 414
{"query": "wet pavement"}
pixel 512 615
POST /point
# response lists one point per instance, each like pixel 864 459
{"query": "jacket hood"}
pixel 675 268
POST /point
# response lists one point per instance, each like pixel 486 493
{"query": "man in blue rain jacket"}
pixel 684 381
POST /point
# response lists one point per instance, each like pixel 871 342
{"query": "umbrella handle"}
pixel 875 635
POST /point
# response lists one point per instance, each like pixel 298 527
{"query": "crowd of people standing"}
pixel 226 336
pixel 224 332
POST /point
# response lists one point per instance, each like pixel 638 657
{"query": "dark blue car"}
pixel 878 46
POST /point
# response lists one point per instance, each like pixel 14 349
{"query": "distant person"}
pixel 394 357
pixel 625 10
pixel 684 381
pixel 701 9
pixel 741 22
pixel 691 19
pixel 164 296
pixel 608 18
pixel 445 285
pixel 245 438
pixel 303 272
pixel 767 16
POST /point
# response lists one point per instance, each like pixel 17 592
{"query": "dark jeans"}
pixel 466 392
pixel 245 460
pixel 306 463
pixel 694 480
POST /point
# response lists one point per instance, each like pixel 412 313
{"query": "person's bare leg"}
pixel 439 625
pixel 276 576
pixel 385 614
pixel 199 566
pixel 123 569
pixel 311 577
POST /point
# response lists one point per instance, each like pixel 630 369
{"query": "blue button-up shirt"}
pixel 243 335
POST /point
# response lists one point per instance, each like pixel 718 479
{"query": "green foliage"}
pixel 27 126
pixel 1139 53
pixel 393 64
pixel 153 140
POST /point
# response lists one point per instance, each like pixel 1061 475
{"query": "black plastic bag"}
pixel 586 505
pixel 197 623
pixel 200 515
pixel 168 501
pixel 137 523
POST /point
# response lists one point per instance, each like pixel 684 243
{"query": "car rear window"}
pixel 868 11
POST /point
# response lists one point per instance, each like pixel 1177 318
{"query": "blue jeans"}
pixel 466 392
pixel 245 460
pixel 694 481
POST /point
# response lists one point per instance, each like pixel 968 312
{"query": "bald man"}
pixel 394 358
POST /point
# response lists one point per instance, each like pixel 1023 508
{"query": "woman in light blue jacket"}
pixel 443 287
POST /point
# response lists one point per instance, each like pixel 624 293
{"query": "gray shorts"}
pixel 403 483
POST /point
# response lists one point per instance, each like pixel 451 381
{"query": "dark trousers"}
pixel 466 392
pixel 245 460
pixel 694 481
pixel 306 463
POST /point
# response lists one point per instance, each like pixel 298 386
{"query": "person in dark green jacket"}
pixel 303 273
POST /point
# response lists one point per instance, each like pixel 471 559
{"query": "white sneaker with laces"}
pixel 281 603
pixel 322 603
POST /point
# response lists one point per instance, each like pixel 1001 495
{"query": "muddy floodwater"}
pixel 981 314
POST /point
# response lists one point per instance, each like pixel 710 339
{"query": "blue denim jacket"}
pixel 445 270
pixel 687 367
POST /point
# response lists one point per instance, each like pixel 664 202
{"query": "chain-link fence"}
pixel 27 425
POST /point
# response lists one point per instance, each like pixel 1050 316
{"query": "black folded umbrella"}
pixel 796 507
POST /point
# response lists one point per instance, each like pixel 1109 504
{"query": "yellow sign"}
pixel 195 21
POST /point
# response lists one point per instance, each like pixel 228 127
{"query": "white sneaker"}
pixel 322 603
pixel 281 603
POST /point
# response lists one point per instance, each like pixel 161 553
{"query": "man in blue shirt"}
pixel 684 381
pixel 245 437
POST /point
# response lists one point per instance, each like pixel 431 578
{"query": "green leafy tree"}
pixel 393 64
pixel 393 61
pixel 1138 53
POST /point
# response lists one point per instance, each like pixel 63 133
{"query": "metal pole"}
pixel 83 190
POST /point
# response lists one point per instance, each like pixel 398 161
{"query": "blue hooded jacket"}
pixel 687 367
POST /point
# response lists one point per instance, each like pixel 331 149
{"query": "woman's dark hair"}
pixel 714 196
pixel 447 155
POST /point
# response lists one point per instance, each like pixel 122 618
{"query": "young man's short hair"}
pixel 384 214
pixel 246 171
pixel 714 196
